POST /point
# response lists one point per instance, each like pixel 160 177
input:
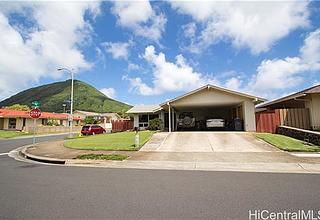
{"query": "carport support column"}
pixel 169 117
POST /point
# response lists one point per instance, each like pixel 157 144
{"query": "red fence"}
pixel 122 125
pixel 268 121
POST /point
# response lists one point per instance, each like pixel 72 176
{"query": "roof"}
pixel 107 114
pixel 311 90
pixel 144 109
pixel 258 99
pixel 10 113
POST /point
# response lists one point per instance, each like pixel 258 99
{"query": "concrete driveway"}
pixel 206 142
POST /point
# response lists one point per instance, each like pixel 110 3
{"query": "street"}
pixel 35 191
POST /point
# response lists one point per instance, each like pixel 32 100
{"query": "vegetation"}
pixel 115 141
pixel 11 134
pixel 102 157
pixel 287 143
pixel 90 120
pixel 53 122
pixel 53 96
pixel 155 124
pixel 19 107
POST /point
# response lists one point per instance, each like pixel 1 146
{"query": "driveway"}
pixel 207 142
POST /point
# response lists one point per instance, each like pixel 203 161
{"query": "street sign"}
pixel 35 113
pixel 35 104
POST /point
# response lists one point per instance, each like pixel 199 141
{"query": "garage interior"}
pixel 194 118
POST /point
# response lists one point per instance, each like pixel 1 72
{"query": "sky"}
pixel 146 52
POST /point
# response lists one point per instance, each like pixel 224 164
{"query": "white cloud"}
pixel 139 17
pixel 58 28
pixel 233 83
pixel 133 67
pixel 254 25
pixel 118 50
pixel 168 76
pixel 277 75
pixel 110 92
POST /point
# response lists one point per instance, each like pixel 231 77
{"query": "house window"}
pixel 12 123
pixel 144 119
pixel 44 121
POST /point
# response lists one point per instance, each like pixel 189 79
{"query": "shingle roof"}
pixel 9 113
pixel 311 90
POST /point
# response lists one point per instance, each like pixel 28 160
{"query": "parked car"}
pixel 186 120
pixel 92 129
pixel 215 123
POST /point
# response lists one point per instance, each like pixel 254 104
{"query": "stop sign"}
pixel 35 113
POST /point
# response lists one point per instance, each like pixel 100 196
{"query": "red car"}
pixel 92 129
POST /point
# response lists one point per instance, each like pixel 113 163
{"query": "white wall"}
pixel 314 106
pixel 249 119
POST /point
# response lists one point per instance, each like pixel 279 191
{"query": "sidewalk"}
pixel 215 161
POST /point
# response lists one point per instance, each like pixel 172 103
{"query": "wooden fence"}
pixel 268 121
pixel 122 125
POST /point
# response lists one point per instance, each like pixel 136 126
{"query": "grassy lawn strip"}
pixel 102 157
pixel 287 143
pixel 116 141
pixel 11 134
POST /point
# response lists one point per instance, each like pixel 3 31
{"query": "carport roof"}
pixel 209 86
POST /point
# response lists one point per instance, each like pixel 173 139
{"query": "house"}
pixel 21 120
pixel 204 103
pixel 104 118
pixel 300 110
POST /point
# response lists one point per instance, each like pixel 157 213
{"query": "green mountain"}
pixel 53 96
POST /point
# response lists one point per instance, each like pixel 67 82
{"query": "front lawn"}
pixel 102 157
pixel 287 143
pixel 11 134
pixel 116 141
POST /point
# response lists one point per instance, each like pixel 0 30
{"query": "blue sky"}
pixel 146 52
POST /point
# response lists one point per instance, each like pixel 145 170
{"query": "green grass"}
pixel 116 141
pixel 102 157
pixel 287 143
pixel 11 134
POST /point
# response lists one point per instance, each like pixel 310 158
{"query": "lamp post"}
pixel 71 99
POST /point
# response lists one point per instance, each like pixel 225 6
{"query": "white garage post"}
pixel 169 117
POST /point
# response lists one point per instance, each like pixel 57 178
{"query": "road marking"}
pixel 1 154
pixel 306 154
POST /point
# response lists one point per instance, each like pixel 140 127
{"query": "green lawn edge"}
pixel 120 157
pixel 120 141
pixel 11 134
pixel 287 143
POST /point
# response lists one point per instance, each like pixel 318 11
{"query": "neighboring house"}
pixel 301 110
pixel 21 120
pixel 104 118
pixel 206 102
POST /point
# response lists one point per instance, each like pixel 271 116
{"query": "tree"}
pixel 90 120
pixel 19 107
pixel 155 124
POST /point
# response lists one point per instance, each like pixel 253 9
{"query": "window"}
pixel 12 123
pixel 144 120
pixel 44 121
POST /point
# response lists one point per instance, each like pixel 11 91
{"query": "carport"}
pixel 212 102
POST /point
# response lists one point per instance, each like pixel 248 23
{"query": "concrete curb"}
pixel 50 160
pixel 178 165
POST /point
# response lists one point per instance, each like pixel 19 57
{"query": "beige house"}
pixel 207 102
pixel 307 100
pixel 105 118
pixel 21 120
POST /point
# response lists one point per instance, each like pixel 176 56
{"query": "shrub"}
pixel 155 124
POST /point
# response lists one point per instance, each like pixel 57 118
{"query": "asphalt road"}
pixel 35 191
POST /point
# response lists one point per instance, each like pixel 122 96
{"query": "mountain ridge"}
pixel 52 96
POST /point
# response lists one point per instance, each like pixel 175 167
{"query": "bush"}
pixel 155 124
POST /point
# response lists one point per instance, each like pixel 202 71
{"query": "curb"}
pixel 26 155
